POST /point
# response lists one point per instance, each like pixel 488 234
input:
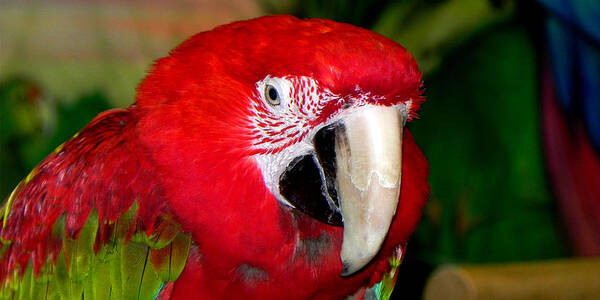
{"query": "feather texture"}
pixel 90 221
pixel 166 197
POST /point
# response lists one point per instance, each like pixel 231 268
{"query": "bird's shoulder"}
pixel 91 218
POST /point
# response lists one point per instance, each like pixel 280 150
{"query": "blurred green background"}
pixel 62 62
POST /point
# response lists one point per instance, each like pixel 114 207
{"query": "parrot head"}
pixel 274 129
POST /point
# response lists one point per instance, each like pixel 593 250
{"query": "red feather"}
pixel 102 168
pixel 294 274
pixel 183 151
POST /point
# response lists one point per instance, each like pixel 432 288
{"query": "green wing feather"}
pixel 384 288
pixel 90 222
pixel 123 268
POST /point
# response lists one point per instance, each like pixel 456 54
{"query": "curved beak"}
pixel 368 149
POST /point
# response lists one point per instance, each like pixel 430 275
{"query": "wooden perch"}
pixel 560 279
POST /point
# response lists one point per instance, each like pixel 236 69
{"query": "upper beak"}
pixel 368 150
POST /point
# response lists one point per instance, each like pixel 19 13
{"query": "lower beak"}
pixel 368 149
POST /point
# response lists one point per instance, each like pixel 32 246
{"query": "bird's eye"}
pixel 272 95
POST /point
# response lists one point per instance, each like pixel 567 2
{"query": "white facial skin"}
pixel 368 154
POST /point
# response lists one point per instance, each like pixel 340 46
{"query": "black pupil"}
pixel 272 93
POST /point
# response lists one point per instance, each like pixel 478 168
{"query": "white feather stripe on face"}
pixel 302 100
pixel 286 131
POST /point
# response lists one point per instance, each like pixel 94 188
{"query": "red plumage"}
pixel 183 152
pixel 103 168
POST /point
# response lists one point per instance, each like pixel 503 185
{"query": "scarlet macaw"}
pixel 265 159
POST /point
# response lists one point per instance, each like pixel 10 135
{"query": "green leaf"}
pixel 480 132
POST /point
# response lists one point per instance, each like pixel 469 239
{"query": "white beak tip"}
pixel 353 264
pixel 347 269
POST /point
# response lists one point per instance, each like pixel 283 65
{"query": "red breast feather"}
pixel 195 107
pixel 183 151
